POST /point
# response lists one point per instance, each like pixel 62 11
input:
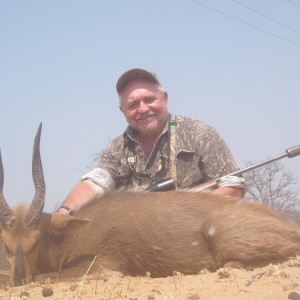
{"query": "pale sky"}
pixel 232 64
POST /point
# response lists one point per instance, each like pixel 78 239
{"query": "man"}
pixel 156 146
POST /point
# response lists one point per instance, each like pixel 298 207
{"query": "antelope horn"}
pixel 6 214
pixel 37 205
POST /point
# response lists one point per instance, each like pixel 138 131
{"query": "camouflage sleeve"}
pixel 217 158
pixel 100 177
pixel 110 157
pixel 232 181
pixel 104 175
pixel 218 161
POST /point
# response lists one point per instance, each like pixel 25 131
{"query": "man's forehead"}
pixel 140 86
pixel 140 94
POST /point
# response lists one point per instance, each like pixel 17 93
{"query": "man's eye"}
pixel 150 100
pixel 133 106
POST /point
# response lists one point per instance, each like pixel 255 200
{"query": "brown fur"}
pixel 139 232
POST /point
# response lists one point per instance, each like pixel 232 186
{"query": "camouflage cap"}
pixel 135 74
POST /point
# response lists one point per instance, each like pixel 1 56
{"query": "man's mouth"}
pixel 140 118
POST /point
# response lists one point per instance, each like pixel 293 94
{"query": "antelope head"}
pixel 21 225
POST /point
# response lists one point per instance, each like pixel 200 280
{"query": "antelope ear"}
pixel 61 223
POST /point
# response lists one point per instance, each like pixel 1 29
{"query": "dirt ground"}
pixel 273 282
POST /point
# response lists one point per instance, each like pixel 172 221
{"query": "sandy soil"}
pixel 273 282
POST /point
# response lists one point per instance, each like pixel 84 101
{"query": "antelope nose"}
pixel 19 273
pixel 19 279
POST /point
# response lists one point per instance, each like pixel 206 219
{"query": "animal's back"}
pixel 137 233
pixel 180 231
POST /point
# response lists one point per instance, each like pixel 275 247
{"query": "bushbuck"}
pixel 140 232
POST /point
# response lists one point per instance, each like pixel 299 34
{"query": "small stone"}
pixel 294 296
pixel 47 291
pixel 24 295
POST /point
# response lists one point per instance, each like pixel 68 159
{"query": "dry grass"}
pixel 272 282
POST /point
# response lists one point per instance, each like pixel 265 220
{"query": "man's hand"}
pixel 229 191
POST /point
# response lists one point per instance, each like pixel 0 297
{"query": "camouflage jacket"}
pixel 200 156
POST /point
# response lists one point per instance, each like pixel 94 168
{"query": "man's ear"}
pixel 165 97
pixel 121 109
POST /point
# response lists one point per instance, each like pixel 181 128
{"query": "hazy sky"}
pixel 233 64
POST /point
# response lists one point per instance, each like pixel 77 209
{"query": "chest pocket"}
pixel 189 171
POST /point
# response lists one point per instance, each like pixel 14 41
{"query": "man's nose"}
pixel 143 107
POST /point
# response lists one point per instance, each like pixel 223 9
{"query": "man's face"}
pixel 145 108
